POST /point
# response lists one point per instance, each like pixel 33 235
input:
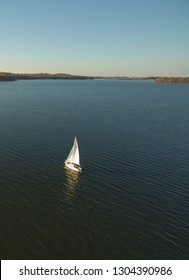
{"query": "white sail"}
pixel 73 156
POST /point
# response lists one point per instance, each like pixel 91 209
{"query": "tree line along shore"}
pixel 172 80
pixel 6 76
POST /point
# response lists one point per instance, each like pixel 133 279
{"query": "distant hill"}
pixel 6 76
pixel 172 80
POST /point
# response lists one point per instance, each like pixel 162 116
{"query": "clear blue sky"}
pixel 95 37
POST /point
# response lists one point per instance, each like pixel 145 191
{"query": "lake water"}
pixel 132 199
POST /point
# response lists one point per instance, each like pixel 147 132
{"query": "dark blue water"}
pixel 132 199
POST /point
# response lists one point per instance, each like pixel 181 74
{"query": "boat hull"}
pixel 73 166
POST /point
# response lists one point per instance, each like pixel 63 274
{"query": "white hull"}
pixel 73 166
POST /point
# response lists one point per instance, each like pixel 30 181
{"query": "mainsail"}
pixel 74 154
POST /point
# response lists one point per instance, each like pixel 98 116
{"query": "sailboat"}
pixel 73 159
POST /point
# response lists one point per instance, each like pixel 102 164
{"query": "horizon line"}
pixel 92 76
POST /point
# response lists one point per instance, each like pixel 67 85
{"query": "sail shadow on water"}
pixel 70 184
pixel 72 179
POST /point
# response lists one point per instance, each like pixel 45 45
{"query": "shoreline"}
pixel 8 76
